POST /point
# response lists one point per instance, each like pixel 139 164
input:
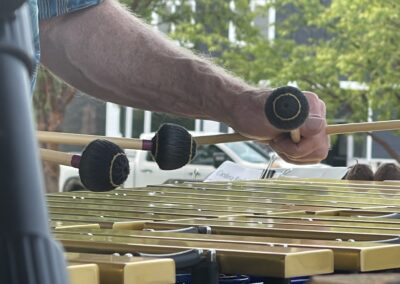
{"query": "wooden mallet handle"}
pixel 60 158
pixel 84 139
pixel 329 130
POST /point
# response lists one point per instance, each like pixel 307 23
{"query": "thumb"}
pixel 312 126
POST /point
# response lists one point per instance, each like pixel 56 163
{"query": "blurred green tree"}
pixel 50 100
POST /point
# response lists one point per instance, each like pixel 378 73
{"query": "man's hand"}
pixel 248 118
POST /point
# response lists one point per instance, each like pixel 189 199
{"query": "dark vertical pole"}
pixel 27 252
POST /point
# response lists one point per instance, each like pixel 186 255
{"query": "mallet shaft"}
pixel 56 157
pixel 330 129
pixel 84 139
pixel 373 126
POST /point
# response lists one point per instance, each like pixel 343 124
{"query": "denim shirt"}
pixel 46 9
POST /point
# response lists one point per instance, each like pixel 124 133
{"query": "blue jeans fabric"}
pixel 46 9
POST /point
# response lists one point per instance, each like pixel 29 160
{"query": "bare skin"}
pixel 108 53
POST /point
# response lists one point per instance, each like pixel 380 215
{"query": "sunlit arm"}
pixel 109 53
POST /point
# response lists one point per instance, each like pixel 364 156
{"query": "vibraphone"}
pixel 275 231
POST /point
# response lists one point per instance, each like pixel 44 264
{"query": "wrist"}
pixel 248 115
pixel 231 98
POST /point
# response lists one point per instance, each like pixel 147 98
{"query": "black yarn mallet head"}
pixel 387 171
pixel 286 108
pixel 359 172
pixel 103 166
pixel 173 147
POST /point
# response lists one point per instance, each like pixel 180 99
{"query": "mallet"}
pixel 172 146
pixel 287 109
pixel 103 166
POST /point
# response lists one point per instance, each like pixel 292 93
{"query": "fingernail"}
pixel 314 123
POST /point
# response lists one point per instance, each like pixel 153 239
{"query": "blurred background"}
pixel 346 51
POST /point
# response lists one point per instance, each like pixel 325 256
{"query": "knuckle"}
pixel 323 107
pixel 311 96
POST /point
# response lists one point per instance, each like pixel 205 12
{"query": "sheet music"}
pixel 229 171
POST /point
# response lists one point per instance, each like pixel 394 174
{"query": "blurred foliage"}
pixel 50 100
pixel 345 40
pixel 317 44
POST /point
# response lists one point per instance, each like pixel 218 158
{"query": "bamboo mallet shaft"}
pixel 84 139
pixel 59 158
pixel 330 129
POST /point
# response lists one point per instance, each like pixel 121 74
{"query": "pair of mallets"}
pixel 103 165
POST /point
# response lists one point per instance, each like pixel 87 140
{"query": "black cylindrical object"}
pixel 27 252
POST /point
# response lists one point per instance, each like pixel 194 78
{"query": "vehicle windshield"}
pixel 248 153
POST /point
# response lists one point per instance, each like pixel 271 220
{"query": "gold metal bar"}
pixel 236 193
pixel 368 212
pixel 72 224
pixel 293 231
pixel 70 210
pixel 322 198
pixel 267 190
pixel 83 273
pixel 195 210
pixel 381 278
pixel 332 218
pixel 128 270
pixel 150 208
pixel 320 181
pixel 67 221
pixel 93 222
pixel 311 222
pixel 238 205
pixel 232 258
pixel 298 184
pixel 254 194
pixel 106 215
pixel 349 256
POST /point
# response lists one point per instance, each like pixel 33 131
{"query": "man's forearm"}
pixel 110 54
